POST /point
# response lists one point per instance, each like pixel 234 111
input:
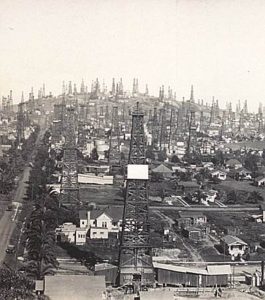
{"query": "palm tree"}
pixel 41 236
pixel 38 269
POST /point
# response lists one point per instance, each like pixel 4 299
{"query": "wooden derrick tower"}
pixel 114 142
pixel 135 253
pixel 155 129
pixel 69 190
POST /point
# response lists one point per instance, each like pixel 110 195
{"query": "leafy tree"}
pixel 232 197
pixel 254 197
pixel 251 162
pixel 14 285
pixel 218 159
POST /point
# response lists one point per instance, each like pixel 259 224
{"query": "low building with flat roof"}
pixel 74 287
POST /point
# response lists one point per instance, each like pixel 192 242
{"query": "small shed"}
pixel 109 271
pixel 193 233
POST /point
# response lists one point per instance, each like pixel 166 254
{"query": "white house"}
pixel 80 236
pixel 221 175
pixel 100 223
pixel 260 181
pixel 67 232
pixel 208 165
pixel 233 246
pixel 211 195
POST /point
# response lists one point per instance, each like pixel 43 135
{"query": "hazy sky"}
pixel 218 46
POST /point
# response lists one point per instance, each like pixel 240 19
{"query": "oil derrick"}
pixel 113 89
pixel 81 126
pixel 222 129
pixel 135 253
pixel 181 120
pixel 201 122
pixel 58 121
pixel 20 121
pixel 192 95
pixel 211 115
pixel 260 119
pixel 150 120
pixel 245 107
pixel 162 134
pixel 107 114
pixel 191 135
pixel 155 129
pixel 171 129
pixel 101 118
pixel 10 101
pixel 114 141
pixel 241 121
pixel 177 124
pixel 123 111
pixel 69 191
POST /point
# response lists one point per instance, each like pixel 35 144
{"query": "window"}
pixel 104 224
pixel 101 232
pixel 83 222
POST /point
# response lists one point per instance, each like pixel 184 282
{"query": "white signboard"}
pixel 137 172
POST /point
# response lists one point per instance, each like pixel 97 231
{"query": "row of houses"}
pixel 193 225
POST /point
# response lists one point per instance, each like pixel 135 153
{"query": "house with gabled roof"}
pixel 259 181
pixel 233 164
pixel 101 222
pixel 233 246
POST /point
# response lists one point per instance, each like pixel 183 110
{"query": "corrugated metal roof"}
pixel 180 269
pixel 219 269
pixel 210 269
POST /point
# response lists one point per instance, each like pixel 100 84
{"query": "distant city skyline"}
pixel 218 46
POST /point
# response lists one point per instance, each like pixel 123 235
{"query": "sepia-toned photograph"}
pixel 132 149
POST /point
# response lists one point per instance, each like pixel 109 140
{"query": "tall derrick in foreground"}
pixel 135 253
pixel 69 190
pixel 114 141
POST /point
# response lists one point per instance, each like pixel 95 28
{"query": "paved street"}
pixel 6 224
